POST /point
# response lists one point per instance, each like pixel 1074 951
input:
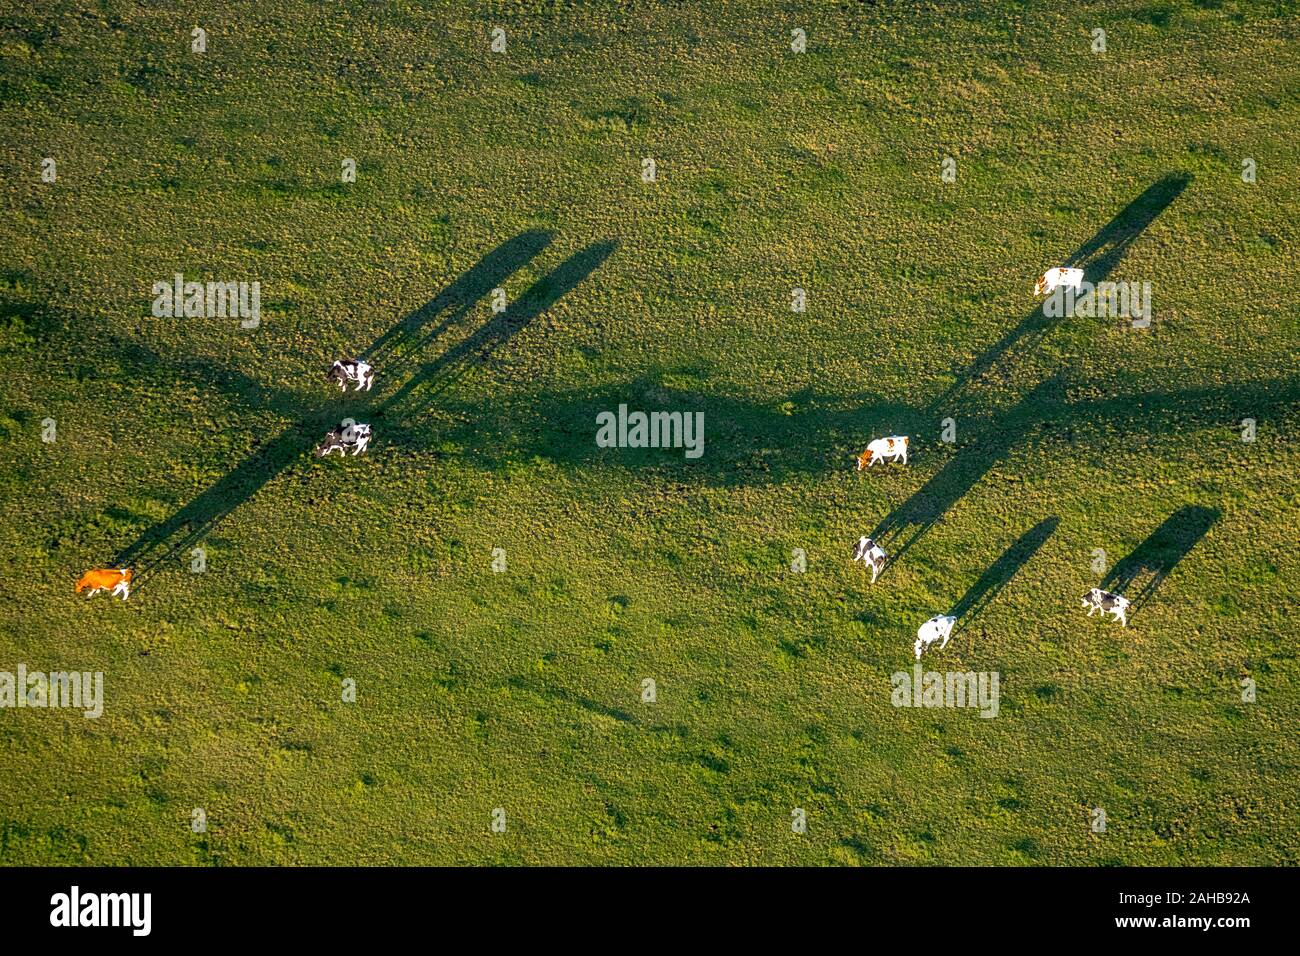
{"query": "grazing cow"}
pixel 1114 604
pixel 1054 278
pixel 351 370
pixel 937 628
pixel 868 552
pixel 118 580
pixel 894 447
pixel 342 437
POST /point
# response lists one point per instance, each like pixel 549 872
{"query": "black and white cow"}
pixel 1113 604
pixel 351 370
pixel 343 437
pixel 938 628
pixel 871 554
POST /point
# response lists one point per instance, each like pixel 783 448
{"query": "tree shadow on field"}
pixel 744 442
pixel 1098 257
pixel 399 347
pixel 750 443
pixel 1141 573
pixel 983 592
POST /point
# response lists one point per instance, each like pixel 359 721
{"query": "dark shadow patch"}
pixel 432 378
pixel 910 521
pixel 1139 575
pixel 982 593
pixel 552 692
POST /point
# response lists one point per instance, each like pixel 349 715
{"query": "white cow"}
pixel 1114 604
pixel 1053 279
pixel 868 552
pixel 894 447
pixel 937 628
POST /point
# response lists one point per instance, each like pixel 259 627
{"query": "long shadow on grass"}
pixel 431 378
pixel 1098 257
pixel 1141 573
pixel 909 522
pixel 982 593
pixel 400 344
pixel 413 334
pixel 551 692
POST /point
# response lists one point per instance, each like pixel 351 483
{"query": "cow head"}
pixel 1040 288
pixel 865 459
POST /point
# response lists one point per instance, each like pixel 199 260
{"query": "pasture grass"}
pixel 522 690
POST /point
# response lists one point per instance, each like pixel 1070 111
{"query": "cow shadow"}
pixel 1139 575
pixel 415 333
pixel 431 378
pixel 1100 254
pixel 194 521
pixel 909 522
pixel 1098 257
pixel 982 593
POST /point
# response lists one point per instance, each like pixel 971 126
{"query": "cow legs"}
pixel 123 590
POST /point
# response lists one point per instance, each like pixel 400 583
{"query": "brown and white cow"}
pixel 894 447
pixel 1053 279
pixel 116 580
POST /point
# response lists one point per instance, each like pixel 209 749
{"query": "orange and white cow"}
pixel 894 447
pixel 1053 279
pixel 117 580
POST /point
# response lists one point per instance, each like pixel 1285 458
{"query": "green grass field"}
pixel 522 690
